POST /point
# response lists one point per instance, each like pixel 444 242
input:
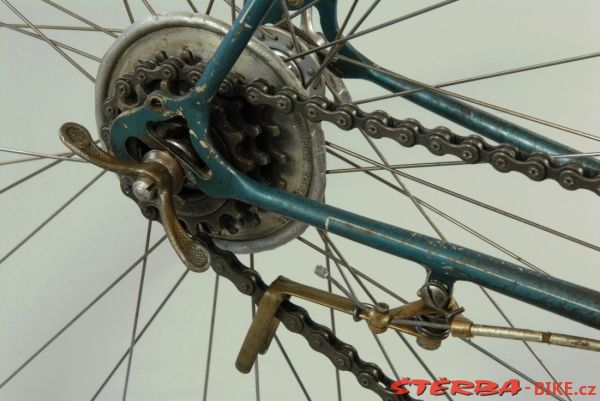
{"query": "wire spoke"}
pixel 286 14
pixel 424 364
pixel 473 100
pixel 355 270
pixel 465 198
pixel 256 367
pixel 403 186
pixel 292 368
pixel 209 7
pixel 82 312
pixel 149 7
pixel 128 11
pixel 58 44
pixel 374 301
pixel 80 18
pixel 66 156
pixel 594 154
pixel 192 6
pixel 326 239
pixel 403 190
pixel 29 176
pixel 23 160
pixel 337 48
pixel 370 30
pixel 137 338
pixel 485 76
pixel 63 27
pixel 525 343
pixel 394 167
pixel 233 10
pixel 213 316
pixel 138 303
pixel 52 44
pixel 479 235
pixel 298 12
pixel 338 383
pixel 505 364
pixel 452 220
pixel 51 217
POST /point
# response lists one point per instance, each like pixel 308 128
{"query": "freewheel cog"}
pixel 167 53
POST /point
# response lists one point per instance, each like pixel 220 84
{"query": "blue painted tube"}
pixel 230 49
pixel 445 260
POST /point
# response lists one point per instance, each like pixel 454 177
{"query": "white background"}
pixel 81 251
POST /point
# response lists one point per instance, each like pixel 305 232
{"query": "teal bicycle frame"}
pixel 445 262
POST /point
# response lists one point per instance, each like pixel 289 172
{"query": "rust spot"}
pixel 546 337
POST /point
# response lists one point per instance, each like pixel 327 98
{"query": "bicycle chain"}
pixel 297 320
pixel 409 132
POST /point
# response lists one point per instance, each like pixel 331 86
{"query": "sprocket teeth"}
pixel 278 155
pixel 251 220
pixel 274 178
pixel 248 135
pixel 258 156
pixel 187 56
pixel 160 56
pixel 252 130
pixel 273 131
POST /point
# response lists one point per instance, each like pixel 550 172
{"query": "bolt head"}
pixel 321 271
pixel 143 189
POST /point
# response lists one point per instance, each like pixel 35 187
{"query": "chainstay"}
pixel 297 320
pixel 408 132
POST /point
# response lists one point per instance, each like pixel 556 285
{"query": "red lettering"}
pixel 461 387
pixel 398 387
pixel 557 389
pixel 583 391
pixel 538 388
pixel 511 386
pixel 421 385
pixel 568 387
pixel 439 387
pixel 485 388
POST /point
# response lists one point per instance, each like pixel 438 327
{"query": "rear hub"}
pixel 168 53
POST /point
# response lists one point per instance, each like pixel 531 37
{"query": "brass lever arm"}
pixel 379 318
pixel 192 252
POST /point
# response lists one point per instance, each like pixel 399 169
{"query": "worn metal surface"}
pixel 446 261
pixel 298 140
pixel 193 253
pixel 469 329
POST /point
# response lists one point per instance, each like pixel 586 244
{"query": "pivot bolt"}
pixel 144 189
pixel 321 271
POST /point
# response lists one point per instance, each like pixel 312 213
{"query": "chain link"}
pixel 408 132
pixel 187 68
pixel 440 141
pixel 297 320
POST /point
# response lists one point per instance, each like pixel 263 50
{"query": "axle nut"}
pixel 144 189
